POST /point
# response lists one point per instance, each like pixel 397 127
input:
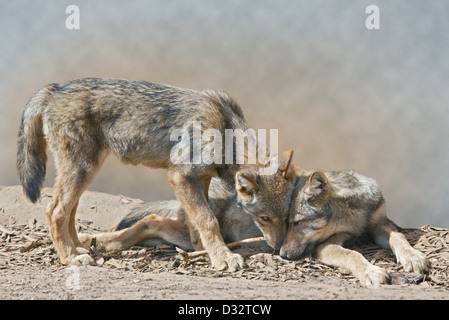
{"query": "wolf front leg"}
pixel 388 236
pixel 332 253
pixel 192 193
pixel 410 258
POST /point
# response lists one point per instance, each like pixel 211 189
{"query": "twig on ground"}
pixel 186 256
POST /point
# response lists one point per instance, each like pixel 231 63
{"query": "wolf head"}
pixel 267 198
pixel 308 222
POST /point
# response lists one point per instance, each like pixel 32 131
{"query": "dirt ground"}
pixel 30 269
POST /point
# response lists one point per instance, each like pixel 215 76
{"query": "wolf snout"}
pixel 289 254
pixel 275 245
pixel 296 251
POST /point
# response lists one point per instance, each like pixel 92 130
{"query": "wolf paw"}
pixel 414 261
pixel 373 277
pixel 82 260
pixel 227 260
pixel 85 239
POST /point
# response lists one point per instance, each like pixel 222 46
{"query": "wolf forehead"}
pixel 303 211
pixel 273 196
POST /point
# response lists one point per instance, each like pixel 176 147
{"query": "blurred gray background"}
pixel 343 96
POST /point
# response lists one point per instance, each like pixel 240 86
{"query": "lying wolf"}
pixel 331 209
pixel 85 120
pixel 320 222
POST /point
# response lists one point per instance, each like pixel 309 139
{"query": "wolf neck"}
pixel 241 144
pixel 345 217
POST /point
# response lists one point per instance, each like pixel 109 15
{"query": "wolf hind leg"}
pixel 59 215
pixel 71 181
pixel 150 227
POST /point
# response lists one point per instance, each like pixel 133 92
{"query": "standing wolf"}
pixel 83 121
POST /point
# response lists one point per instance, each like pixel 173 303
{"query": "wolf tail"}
pixel 31 146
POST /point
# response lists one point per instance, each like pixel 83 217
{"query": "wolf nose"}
pixel 290 254
pixel 283 253
pixel 277 247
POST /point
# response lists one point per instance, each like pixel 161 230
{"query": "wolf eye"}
pixel 265 218
pixel 297 219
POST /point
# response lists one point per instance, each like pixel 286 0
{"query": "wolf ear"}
pixel 285 164
pixel 317 184
pixel 246 184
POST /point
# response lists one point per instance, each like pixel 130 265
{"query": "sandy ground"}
pixel 29 267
